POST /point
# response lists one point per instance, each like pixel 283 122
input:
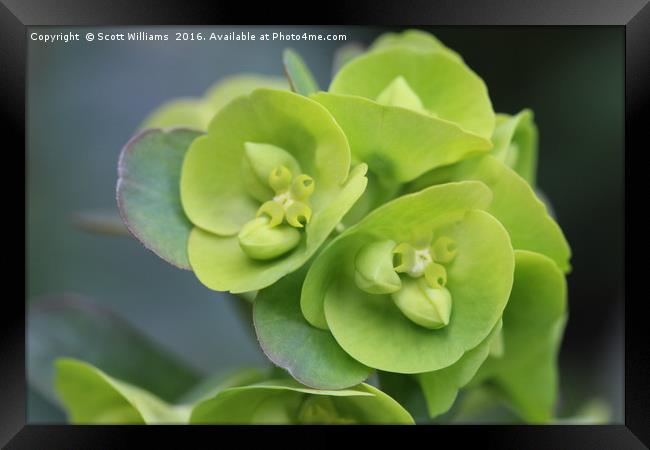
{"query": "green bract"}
pixel 515 143
pixel 515 205
pixel 264 188
pixel 402 101
pixel 196 113
pixel 90 396
pixel 446 272
pixel 439 238
pixel 533 323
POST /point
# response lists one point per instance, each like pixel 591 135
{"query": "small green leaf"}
pixel 196 113
pixel 414 39
pixel 345 54
pixel 90 396
pixel 311 355
pixel 148 194
pixel 441 387
pixel 78 328
pixel 382 135
pixel 280 402
pixel 533 323
pixel 445 85
pixel 515 143
pixel 300 77
pixel 191 113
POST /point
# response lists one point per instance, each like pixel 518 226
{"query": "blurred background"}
pixel 86 99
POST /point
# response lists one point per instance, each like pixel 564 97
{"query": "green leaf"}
pixel 397 220
pixel 220 205
pixel 345 54
pixel 399 144
pixel 210 386
pixel 515 205
pixel 533 323
pixel 279 402
pixel 90 396
pixel 196 113
pixel 148 194
pixel 515 143
pixel 373 331
pixel 186 112
pixel 311 355
pixel 78 328
pixel 445 85
pixel 441 387
pixel 300 77
pixel 414 39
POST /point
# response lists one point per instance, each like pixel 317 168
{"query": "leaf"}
pixel 300 77
pixel 441 387
pixel 211 385
pixel 414 39
pixel 196 113
pixel 346 53
pixel 515 205
pixel 148 195
pixel 279 401
pixel 399 144
pixel 373 331
pixel 533 323
pixel 446 86
pixel 78 328
pixel 515 143
pixel 311 355
pixel 90 396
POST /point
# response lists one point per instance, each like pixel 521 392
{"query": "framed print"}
pixel 408 214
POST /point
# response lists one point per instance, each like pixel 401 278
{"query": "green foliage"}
pixel 90 396
pixel 390 223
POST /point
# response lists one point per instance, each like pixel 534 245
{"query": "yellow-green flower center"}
pixel 275 229
pixel 420 292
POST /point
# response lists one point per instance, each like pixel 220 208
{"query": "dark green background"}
pixel 86 99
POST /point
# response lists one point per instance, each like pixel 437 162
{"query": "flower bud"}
pixel 444 249
pixel 374 272
pixel 261 241
pixel 427 307
pixel 399 93
pixel 263 159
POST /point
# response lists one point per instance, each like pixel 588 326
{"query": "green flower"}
pixel 410 289
pixel 407 106
pixel 264 188
pixel 91 396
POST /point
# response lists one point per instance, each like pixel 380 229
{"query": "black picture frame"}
pixel 633 15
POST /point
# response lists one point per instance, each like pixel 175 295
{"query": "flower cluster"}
pixel 389 224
